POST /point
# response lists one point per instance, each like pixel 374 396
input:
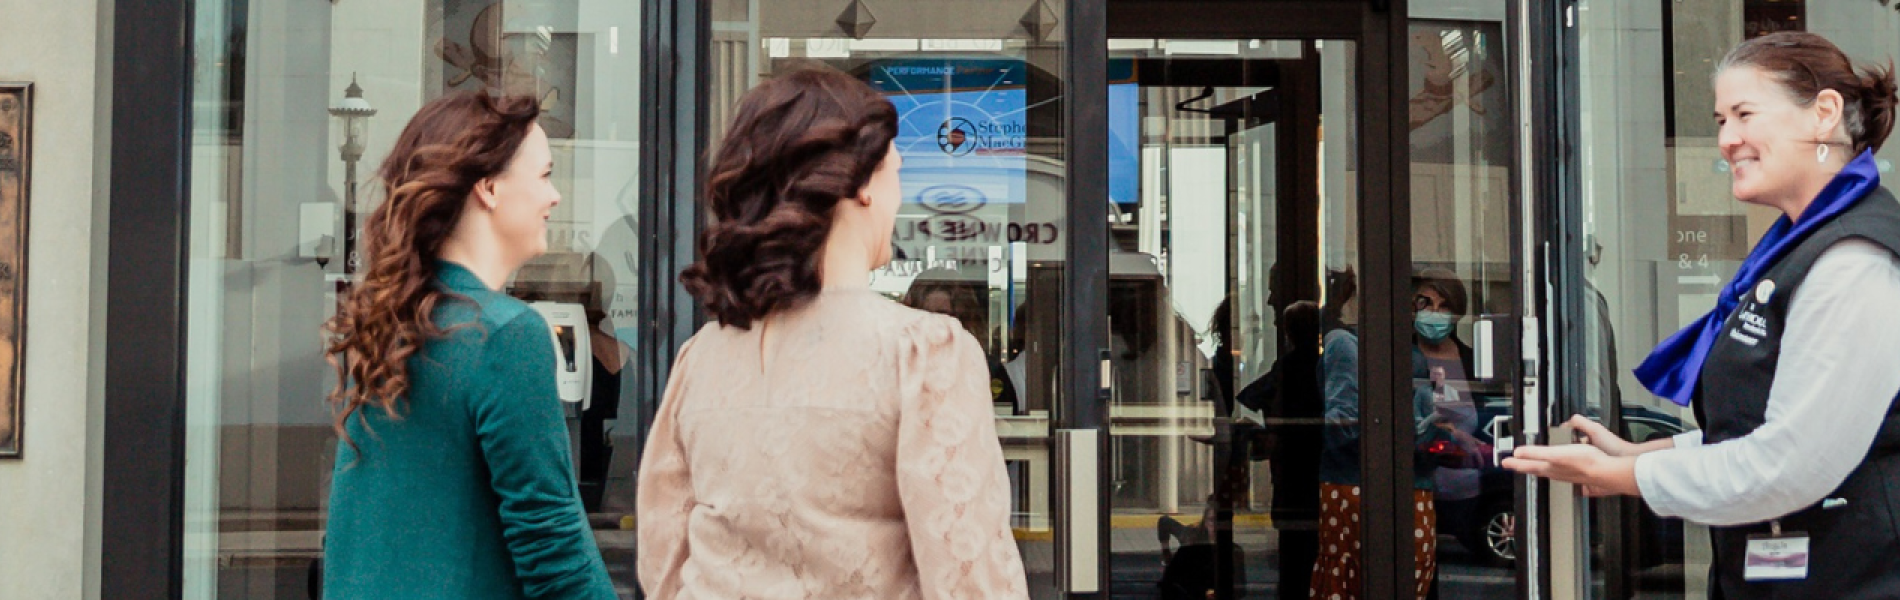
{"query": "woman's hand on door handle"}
pixel 1589 431
pixel 1583 464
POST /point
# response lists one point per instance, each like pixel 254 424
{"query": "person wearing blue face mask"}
pixel 1438 302
pixel 1336 570
pixel 1434 327
pixel 1441 368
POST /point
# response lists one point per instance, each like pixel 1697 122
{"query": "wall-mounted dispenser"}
pixel 573 366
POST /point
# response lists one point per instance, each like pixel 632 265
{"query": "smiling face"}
pixel 523 197
pixel 1768 138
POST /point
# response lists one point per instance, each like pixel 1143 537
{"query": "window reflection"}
pixel 1462 138
pixel 270 187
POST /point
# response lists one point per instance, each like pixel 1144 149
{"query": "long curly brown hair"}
pixel 451 144
pixel 799 143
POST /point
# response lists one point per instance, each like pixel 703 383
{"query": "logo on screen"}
pixel 952 199
pixel 956 136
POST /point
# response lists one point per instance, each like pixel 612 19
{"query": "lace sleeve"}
pixel 951 479
pixel 665 498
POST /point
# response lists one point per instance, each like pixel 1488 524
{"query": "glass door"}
pixel 1240 214
pixel 1468 289
pixel 1315 303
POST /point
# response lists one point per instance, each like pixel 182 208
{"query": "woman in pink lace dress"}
pixel 819 440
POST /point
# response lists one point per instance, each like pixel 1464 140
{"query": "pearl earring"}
pixel 1820 153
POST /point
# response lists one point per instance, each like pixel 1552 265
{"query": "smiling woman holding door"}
pixel 1793 375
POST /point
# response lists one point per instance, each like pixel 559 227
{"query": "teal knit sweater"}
pixel 470 492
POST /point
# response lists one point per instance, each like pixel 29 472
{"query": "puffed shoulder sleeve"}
pixel 665 498
pixel 951 480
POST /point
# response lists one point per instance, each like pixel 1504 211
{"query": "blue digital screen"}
pixel 1124 133
pixel 963 126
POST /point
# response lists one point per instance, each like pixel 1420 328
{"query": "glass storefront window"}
pixel 275 171
pixel 1233 204
pixel 1661 231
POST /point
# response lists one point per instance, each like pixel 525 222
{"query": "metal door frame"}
pixel 1379 29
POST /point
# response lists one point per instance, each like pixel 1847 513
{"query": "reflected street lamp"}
pixel 353 112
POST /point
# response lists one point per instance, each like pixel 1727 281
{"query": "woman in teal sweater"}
pixel 453 479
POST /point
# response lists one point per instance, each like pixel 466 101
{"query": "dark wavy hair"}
pixel 450 145
pixel 799 143
pixel 1806 64
pixel 965 304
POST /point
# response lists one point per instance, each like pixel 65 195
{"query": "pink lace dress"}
pixel 843 450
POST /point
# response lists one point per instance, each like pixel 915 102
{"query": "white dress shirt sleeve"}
pixel 1688 439
pixel 1839 373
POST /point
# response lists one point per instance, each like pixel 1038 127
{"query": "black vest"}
pixel 1854 548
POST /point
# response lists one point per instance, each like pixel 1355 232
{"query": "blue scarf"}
pixel 1671 371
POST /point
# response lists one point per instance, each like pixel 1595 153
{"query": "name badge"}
pixel 1777 557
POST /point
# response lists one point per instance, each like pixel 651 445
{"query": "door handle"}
pixel 1078 548
pixel 1484 347
pixel 1501 441
pixel 1532 411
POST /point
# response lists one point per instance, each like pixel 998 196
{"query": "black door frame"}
pixel 143 462
pixel 673 129
pixel 1379 30
pixel 1551 220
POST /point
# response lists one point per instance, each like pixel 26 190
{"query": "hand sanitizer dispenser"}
pixel 572 367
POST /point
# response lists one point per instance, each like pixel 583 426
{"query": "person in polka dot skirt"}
pixel 1336 576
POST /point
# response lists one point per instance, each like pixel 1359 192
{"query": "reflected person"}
pixel 1338 572
pixel 941 291
pixel 1441 373
pixel 1289 396
pixel 945 292
pixel 611 358
pixel 1189 572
